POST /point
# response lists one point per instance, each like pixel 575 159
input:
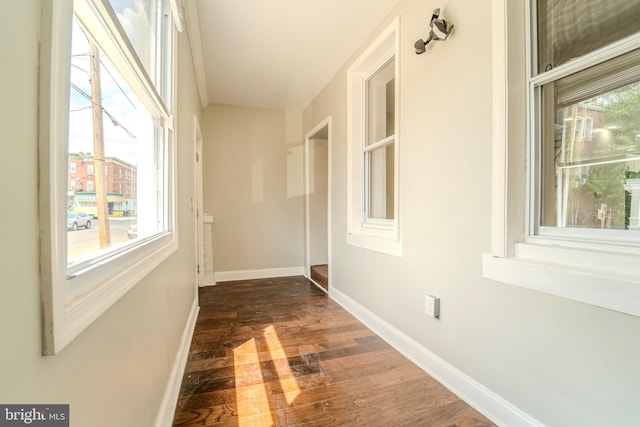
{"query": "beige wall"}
pixel 252 187
pixel 562 362
pixel 116 371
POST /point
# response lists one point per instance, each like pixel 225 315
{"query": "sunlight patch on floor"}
pixel 288 383
pixel 251 393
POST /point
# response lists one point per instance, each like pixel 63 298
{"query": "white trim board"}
pixel 228 276
pixel 172 391
pixel 500 130
pixel 195 41
pixel 475 394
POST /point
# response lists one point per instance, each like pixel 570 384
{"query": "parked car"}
pixel 76 220
pixel 132 231
pixel 92 211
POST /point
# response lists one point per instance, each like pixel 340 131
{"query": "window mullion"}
pixel 591 59
pixel 383 142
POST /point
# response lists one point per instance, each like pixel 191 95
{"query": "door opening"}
pixel 318 203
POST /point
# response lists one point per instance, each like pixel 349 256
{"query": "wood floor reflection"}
pixel 279 352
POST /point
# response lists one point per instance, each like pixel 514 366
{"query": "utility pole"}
pixel 98 147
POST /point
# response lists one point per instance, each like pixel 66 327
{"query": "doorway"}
pixel 318 203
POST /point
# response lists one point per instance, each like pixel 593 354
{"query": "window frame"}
pixel 602 274
pixel 71 303
pixel 381 235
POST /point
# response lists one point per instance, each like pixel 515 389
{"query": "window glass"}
pixel 596 162
pixel 381 197
pixel 568 29
pixel 379 151
pixel 139 20
pixel 381 103
pixel 131 138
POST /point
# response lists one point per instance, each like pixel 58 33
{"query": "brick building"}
pixel 121 179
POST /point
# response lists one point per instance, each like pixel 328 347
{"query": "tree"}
pixel 615 141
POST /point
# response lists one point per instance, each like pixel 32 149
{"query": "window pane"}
pixel 381 103
pixel 381 194
pixel 139 19
pixel 127 183
pixel 590 156
pixel 568 29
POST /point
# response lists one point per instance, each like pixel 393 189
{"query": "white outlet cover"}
pixel 432 306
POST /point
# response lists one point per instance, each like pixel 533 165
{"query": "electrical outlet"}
pixel 432 306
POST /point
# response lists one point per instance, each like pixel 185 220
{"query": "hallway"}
pixel 279 352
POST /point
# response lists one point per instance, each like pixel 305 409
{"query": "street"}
pixel 83 241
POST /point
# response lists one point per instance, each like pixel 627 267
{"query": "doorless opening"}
pixel 317 202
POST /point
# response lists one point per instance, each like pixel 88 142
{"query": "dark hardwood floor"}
pixel 279 352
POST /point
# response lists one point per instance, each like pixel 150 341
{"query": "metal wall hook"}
pixel 439 30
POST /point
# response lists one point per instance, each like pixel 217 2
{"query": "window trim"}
pixel 67 310
pixel 597 274
pixel 373 234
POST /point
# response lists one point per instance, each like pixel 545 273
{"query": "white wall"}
pixel 252 187
pixel 562 362
pixel 116 371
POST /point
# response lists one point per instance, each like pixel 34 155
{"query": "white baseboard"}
pixel 227 276
pixel 170 398
pixel 207 281
pixel 475 394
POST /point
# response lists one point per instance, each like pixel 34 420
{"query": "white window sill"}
pixel 375 243
pixel 111 282
pixel 603 279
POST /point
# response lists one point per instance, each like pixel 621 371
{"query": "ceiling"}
pixel 275 53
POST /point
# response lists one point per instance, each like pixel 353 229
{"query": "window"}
pixel 585 132
pixel 373 146
pixel 115 62
pixel 579 232
pixel 379 149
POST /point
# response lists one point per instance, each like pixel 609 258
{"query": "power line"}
pixel 110 75
pixel 80 109
pixel 117 84
pixel 79 68
pixel 113 119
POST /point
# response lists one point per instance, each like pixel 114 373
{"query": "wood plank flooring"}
pixel 279 352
